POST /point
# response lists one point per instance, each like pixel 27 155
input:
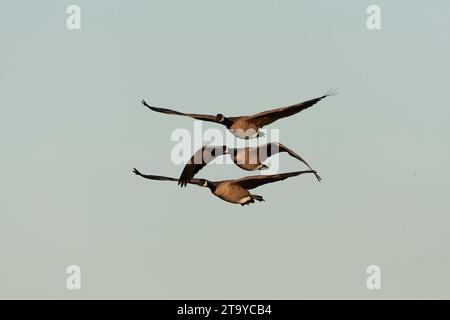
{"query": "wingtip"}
pixel 330 92
pixel 317 175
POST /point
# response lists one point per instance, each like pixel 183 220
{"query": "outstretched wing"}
pixel 162 178
pixel 256 181
pixel 273 148
pixel 267 117
pixel 203 117
pixel 200 159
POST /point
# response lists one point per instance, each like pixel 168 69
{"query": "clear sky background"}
pixel 72 127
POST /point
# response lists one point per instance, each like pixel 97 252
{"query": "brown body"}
pixel 248 159
pixel 232 192
pixel 244 128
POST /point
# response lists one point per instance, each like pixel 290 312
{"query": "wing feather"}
pixel 198 161
pixel 204 117
pixel 270 149
pixel 267 117
pixel 163 178
pixel 256 181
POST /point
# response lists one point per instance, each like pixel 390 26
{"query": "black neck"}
pixel 212 186
pixel 227 122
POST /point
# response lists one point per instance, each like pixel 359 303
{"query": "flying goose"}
pixel 245 158
pixel 247 127
pixel 234 191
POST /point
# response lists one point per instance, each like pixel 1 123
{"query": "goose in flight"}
pixel 247 127
pixel 245 158
pixel 234 191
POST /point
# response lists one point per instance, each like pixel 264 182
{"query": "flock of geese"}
pixel 248 158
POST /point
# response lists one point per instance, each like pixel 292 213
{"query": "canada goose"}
pixel 247 127
pixel 234 191
pixel 245 158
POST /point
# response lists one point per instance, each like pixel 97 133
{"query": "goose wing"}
pixel 162 178
pixel 204 117
pixel 270 149
pixel 256 181
pixel 200 159
pixel 267 117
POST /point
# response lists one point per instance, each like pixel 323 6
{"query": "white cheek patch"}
pixel 244 200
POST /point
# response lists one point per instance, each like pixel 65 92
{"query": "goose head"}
pixel 220 118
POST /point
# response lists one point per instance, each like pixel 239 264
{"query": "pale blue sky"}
pixel 72 127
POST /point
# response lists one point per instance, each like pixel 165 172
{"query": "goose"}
pixel 247 127
pixel 233 191
pixel 248 159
